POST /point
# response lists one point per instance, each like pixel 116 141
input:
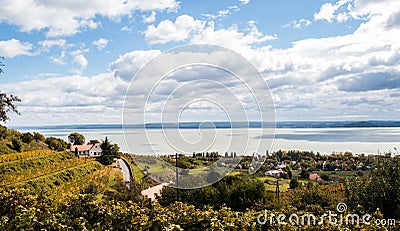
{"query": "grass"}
pixel 46 183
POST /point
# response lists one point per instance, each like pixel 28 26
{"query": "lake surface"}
pixel 239 140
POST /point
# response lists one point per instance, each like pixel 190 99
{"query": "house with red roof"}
pixel 87 150
pixel 315 177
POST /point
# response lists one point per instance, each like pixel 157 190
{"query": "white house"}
pixel 275 173
pixel 89 150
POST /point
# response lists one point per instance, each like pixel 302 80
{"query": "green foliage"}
pixel 316 198
pixel 23 155
pixel 47 183
pixel 294 183
pixel 379 190
pixel 237 192
pixel 76 138
pixel 27 137
pixel 109 152
pixel 38 137
pixel 289 172
pixel 7 104
pixel 16 171
pixel 57 144
pixel 17 145
pixel 304 174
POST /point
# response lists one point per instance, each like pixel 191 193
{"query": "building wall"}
pixel 95 151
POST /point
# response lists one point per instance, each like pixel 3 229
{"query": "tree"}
pixel 27 137
pixel 378 190
pixel 109 152
pixel 17 145
pixel 38 137
pixel 289 172
pixel 294 183
pixel 56 143
pixel 304 174
pixel 7 102
pixel 76 138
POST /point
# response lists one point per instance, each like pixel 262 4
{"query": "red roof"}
pixel 81 148
pixel 315 177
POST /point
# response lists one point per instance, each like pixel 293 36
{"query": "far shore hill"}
pixel 222 125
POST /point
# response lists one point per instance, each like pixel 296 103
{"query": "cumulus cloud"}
pixel 151 18
pixel 198 31
pixel 13 47
pixel 329 11
pixel 82 63
pixel 370 82
pixel 56 100
pixel 298 24
pixel 67 18
pixel 168 31
pixel 220 14
pixel 129 63
pixel 49 43
pixel 59 60
pixel 100 43
pixel 244 2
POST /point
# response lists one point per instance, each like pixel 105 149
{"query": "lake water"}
pixel 240 140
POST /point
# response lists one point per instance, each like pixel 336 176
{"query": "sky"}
pixel 71 62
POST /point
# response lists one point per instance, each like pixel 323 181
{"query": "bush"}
pixel 17 144
pixel 294 183
pixel 56 143
pixel 237 192
pixel 379 190
pixel 27 138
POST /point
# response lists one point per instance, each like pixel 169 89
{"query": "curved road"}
pixel 124 169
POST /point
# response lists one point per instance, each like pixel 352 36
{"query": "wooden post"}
pixel 177 175
pixel 277 190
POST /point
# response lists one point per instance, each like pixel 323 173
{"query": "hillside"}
pixel 12 141
pixel 54 173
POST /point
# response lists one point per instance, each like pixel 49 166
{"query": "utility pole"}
pixel 177 175
pixel 277 190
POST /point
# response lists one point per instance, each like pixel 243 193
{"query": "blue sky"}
pixel 323 60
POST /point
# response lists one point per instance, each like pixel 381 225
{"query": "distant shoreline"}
pixel 224 125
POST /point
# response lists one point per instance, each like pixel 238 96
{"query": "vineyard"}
pixel 57 174
pixel 55 190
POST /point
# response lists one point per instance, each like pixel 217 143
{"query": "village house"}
pixel 87 150
pixel 315 177
pixel 275 173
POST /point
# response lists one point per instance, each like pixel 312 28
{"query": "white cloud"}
pixel 127 29
pixel 49 43
pixel 82 63
pixel 59 60
pixel 59 100
pixel 100 43
pixel 232 37
pixel 328 12
pixel 168 31
pixel 298 24
pixel 197 31
pixel 234 8
pixel 220 14
pixel 151 18
pixel 129 63
pixel 67 17
pixel 244 2
pixel 13 47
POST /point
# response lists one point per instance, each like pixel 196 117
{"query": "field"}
pixel 57 174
